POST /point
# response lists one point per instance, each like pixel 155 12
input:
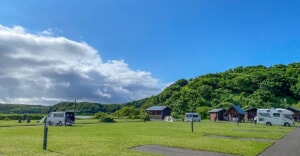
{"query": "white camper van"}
pixel 192 116
pixel 61 118
pixel 273 116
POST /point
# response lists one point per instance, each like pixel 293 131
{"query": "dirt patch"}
pixel 170 151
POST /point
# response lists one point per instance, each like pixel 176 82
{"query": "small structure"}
pixel 217 114
pixel 235 113
pixel 158 112
pixel 296 112
pixel 250 114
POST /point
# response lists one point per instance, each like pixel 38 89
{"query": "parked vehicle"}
pixel 61 118
pixel 192 117
pixel 273 116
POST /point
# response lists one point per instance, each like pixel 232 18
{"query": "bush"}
pixel 107 119
pixel 135 117
pixel 145 117
pixel 6 119
pixel 100 115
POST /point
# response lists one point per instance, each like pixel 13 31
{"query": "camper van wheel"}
pixel 49 123
pixel 59 123
pixel 269 124
pixel 287 124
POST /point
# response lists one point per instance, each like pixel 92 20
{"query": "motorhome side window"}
pixel 195 116
pixel 189 115
pixel 261 119
pixel 58 115
pixel 276 115
pixel 288 116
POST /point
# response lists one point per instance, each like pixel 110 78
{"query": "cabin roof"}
pixel 216 110
pixel 250 109
pixel 156 108
pixel 293 109
pixel 237 108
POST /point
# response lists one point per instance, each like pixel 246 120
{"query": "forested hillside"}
pixel 21 109
pixel 81 108
pixel 252 86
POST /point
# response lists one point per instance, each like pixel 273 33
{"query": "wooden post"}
pixel 45 134
pixel 192 125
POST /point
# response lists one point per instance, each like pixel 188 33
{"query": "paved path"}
pixel 287 146
pixel 169 151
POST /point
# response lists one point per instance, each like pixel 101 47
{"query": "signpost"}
pixel 45 134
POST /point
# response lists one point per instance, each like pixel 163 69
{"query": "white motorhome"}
pixel 192 117
pixel 61 118
pixel 273 116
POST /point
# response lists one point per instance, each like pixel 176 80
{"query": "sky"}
pixel 116 51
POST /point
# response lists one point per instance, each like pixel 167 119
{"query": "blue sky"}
pixel 168 39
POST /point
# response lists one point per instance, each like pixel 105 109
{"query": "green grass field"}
pixel 117 138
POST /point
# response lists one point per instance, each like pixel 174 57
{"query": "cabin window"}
pixel 279 111
pixel 195 116
pixel 276 115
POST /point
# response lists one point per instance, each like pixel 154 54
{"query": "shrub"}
pixel 107 119
pixel 135 117
pixel 100 115
pixel 145 117
pixel 7 119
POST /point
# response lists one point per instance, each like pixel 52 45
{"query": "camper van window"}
pixel 49 115
pixel 189 116
pixel 276 115
pixel 288 116
pixel 268 110
pixel 261 119
pixel 279 111
pixel 195 116
pixel 265 115
pixel 58 115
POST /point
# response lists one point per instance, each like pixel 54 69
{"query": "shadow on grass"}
pixel 52 151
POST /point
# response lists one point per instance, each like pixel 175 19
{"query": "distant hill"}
pixel 83 108
pixel 21 109
pixel 251 86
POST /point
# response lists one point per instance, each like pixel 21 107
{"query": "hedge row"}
pixel 21 116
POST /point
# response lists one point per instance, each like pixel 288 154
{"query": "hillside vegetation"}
pixel 251 86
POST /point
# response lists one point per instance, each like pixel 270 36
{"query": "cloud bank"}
pixel 43 69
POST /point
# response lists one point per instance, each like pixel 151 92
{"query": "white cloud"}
pixel 42 69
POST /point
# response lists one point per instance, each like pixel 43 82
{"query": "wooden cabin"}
pixel 217 114
pixel 158 112
pixel 235 113
pixel 250 114
pixel 296 112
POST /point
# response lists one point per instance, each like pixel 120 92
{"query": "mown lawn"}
pixel 117 138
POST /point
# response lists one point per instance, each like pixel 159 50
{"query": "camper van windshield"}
pixel 288 116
